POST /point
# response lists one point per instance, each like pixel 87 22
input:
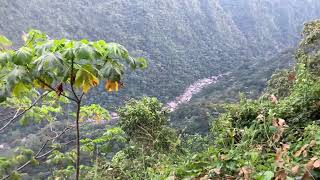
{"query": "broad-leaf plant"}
pixel 68 68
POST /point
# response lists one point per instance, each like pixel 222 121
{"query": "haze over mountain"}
pixel 184 40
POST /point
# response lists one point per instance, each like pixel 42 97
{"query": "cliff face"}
pixel 183 39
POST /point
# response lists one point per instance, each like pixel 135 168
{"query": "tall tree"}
pixel 69 68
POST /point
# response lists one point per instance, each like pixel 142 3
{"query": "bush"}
pixel 146 124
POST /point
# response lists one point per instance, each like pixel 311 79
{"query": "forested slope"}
pixel 184 40
pixel 275 135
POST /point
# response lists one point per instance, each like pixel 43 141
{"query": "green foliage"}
pixel 146 123
pixel 245 112
pixel 104 144
pixel 5 165
pixel 46 63
pixel 62 158
pixel 280 84
pixel 68 69
pixel 311 34
pixel 274 137
pixel 4 42
pixel 94 112
pixel 197 43
pixel 22 156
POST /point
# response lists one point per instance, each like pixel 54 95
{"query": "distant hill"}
pixel 184 40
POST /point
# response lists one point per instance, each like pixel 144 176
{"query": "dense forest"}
pixel 63 77
pixel 183 40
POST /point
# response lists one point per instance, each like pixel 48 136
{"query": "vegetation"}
pixel 202 39
pixel 269 138
pixel 48 86
pixel 273 137
pixel 64 67
pixel 146 123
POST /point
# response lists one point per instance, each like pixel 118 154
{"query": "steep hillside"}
pixel 251 80
pixel 273 24
pixel 184 40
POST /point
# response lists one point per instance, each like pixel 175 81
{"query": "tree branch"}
pixel 17 115
pixel 146 131
pixel 10 113
pixel 72 81
pixel 53 89
pixel 37 155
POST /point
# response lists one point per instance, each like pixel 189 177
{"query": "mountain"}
pixel 183 40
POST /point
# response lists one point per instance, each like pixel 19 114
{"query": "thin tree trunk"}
pixel 78 101
pixel 78 141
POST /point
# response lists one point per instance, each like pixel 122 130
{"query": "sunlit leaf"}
pixel 19 88
pixel 68 54
pixel 112 71
pixel 86 87
pixel 86 80
pixel 5 41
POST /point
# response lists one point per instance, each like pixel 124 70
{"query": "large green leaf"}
pixel 116 50
pixel 23 56
pixel 68 54
pixel 5 57
pixel 100 47
pixel 84 51
pixel 35 37
pixel 50 63
pixel 268 175
pixel 112 71
pixel 42 48
pixel 17 80
pixel 19 73
pixel 136 62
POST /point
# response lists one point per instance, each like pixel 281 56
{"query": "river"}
pixel 185 97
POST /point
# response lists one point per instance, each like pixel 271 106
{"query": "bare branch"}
pixel 38 156
pixel 17 115
pixel 10 113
